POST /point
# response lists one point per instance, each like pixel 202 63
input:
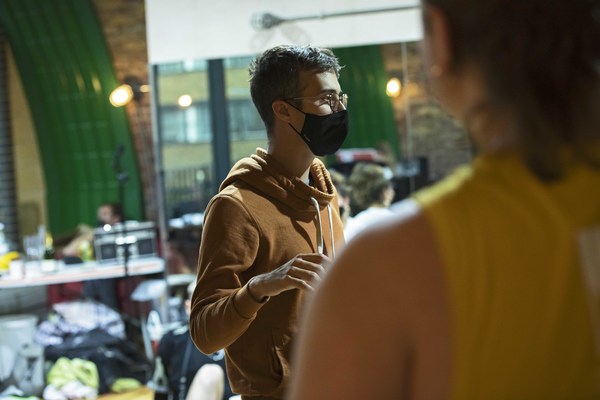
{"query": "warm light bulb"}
pixel 393 87
pixel 121 96
pixel 184 100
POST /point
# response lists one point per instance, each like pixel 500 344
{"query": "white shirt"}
pixel 370 216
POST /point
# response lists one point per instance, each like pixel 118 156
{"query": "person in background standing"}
pixel 371 193
pixel 342 188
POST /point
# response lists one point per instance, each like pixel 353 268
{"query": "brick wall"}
pixel 423 127
pixel 8 201
pixel 123 23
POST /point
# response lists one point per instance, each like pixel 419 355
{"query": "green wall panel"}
pixel 67 75
pixel 371 116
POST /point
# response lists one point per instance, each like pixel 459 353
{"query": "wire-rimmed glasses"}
pixel 332 99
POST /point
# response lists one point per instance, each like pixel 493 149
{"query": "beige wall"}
pixel 31 187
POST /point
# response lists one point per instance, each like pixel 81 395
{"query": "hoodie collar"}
pixel 265 174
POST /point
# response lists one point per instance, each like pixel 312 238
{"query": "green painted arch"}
pixel 370 111
pixel 67 75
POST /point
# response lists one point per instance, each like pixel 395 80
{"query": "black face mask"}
pixel 324 134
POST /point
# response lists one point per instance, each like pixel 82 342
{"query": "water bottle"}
pixel 3 243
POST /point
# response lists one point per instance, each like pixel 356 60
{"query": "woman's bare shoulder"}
pixel 395 265
pixel 385 295
pixel 398 248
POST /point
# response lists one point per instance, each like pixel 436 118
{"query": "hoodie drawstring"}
pixel 320 246
pixel 331 230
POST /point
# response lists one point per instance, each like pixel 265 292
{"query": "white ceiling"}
pixel 180 30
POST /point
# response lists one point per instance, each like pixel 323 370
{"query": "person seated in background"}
pixel 175 259
pixel 107 214
pixel 371 193
pixel 190 373
pixel 489 289
pixel 81 248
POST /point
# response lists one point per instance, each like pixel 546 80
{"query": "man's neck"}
pixel 296 161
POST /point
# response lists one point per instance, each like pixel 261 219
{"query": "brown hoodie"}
pixel 261 218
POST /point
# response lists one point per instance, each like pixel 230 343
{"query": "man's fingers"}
pixel 305 275
pixel 310 266
pixel 300 284
pixel 302 272
pixel 315 258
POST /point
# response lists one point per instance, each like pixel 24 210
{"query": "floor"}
pixel 143 393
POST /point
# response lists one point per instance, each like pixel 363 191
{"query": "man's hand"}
pixel 302 272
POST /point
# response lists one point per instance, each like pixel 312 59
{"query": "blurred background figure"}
pixel 80 249
pixel 371 193
pixel 109 214
pixel 190 373
pixel 343 190
pixel 105 290
pixel 82 243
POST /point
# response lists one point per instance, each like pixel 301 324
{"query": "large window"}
pixel 189 124
pixel 186 129
pixel 186 132
pixel 420 142
pixel 244 121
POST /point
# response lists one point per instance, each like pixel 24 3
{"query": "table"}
pixel 51 272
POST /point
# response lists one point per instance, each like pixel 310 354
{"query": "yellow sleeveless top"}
pixel 520 314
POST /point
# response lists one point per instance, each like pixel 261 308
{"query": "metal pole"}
pixel 158 160
pixel 220 131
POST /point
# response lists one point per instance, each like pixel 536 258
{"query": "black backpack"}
pixel 114 357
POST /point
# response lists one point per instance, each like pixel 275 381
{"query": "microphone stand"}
pixel 122 178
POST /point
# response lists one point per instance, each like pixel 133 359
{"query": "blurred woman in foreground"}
pixel 487 291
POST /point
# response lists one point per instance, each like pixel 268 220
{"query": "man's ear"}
pixel 439 48
pixel 281 110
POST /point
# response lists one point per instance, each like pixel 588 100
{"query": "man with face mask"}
pixel 271 232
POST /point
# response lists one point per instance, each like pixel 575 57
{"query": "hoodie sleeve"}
pixel 222 308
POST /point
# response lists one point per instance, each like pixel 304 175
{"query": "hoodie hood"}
pixel 263 173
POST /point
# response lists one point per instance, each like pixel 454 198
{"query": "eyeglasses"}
pixel 333 100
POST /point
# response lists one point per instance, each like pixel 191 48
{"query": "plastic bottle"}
pixel 3 243
pixel 49 253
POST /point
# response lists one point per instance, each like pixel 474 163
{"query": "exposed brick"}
pixel 123 23
pixel 432 132
pixel 8 211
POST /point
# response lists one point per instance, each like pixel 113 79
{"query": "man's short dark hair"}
pixel 274 75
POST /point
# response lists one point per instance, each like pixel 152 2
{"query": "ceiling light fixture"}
pixel 393 87
pixel 263 21
pixel 131 89
pixel 121 95
pixel 185 100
